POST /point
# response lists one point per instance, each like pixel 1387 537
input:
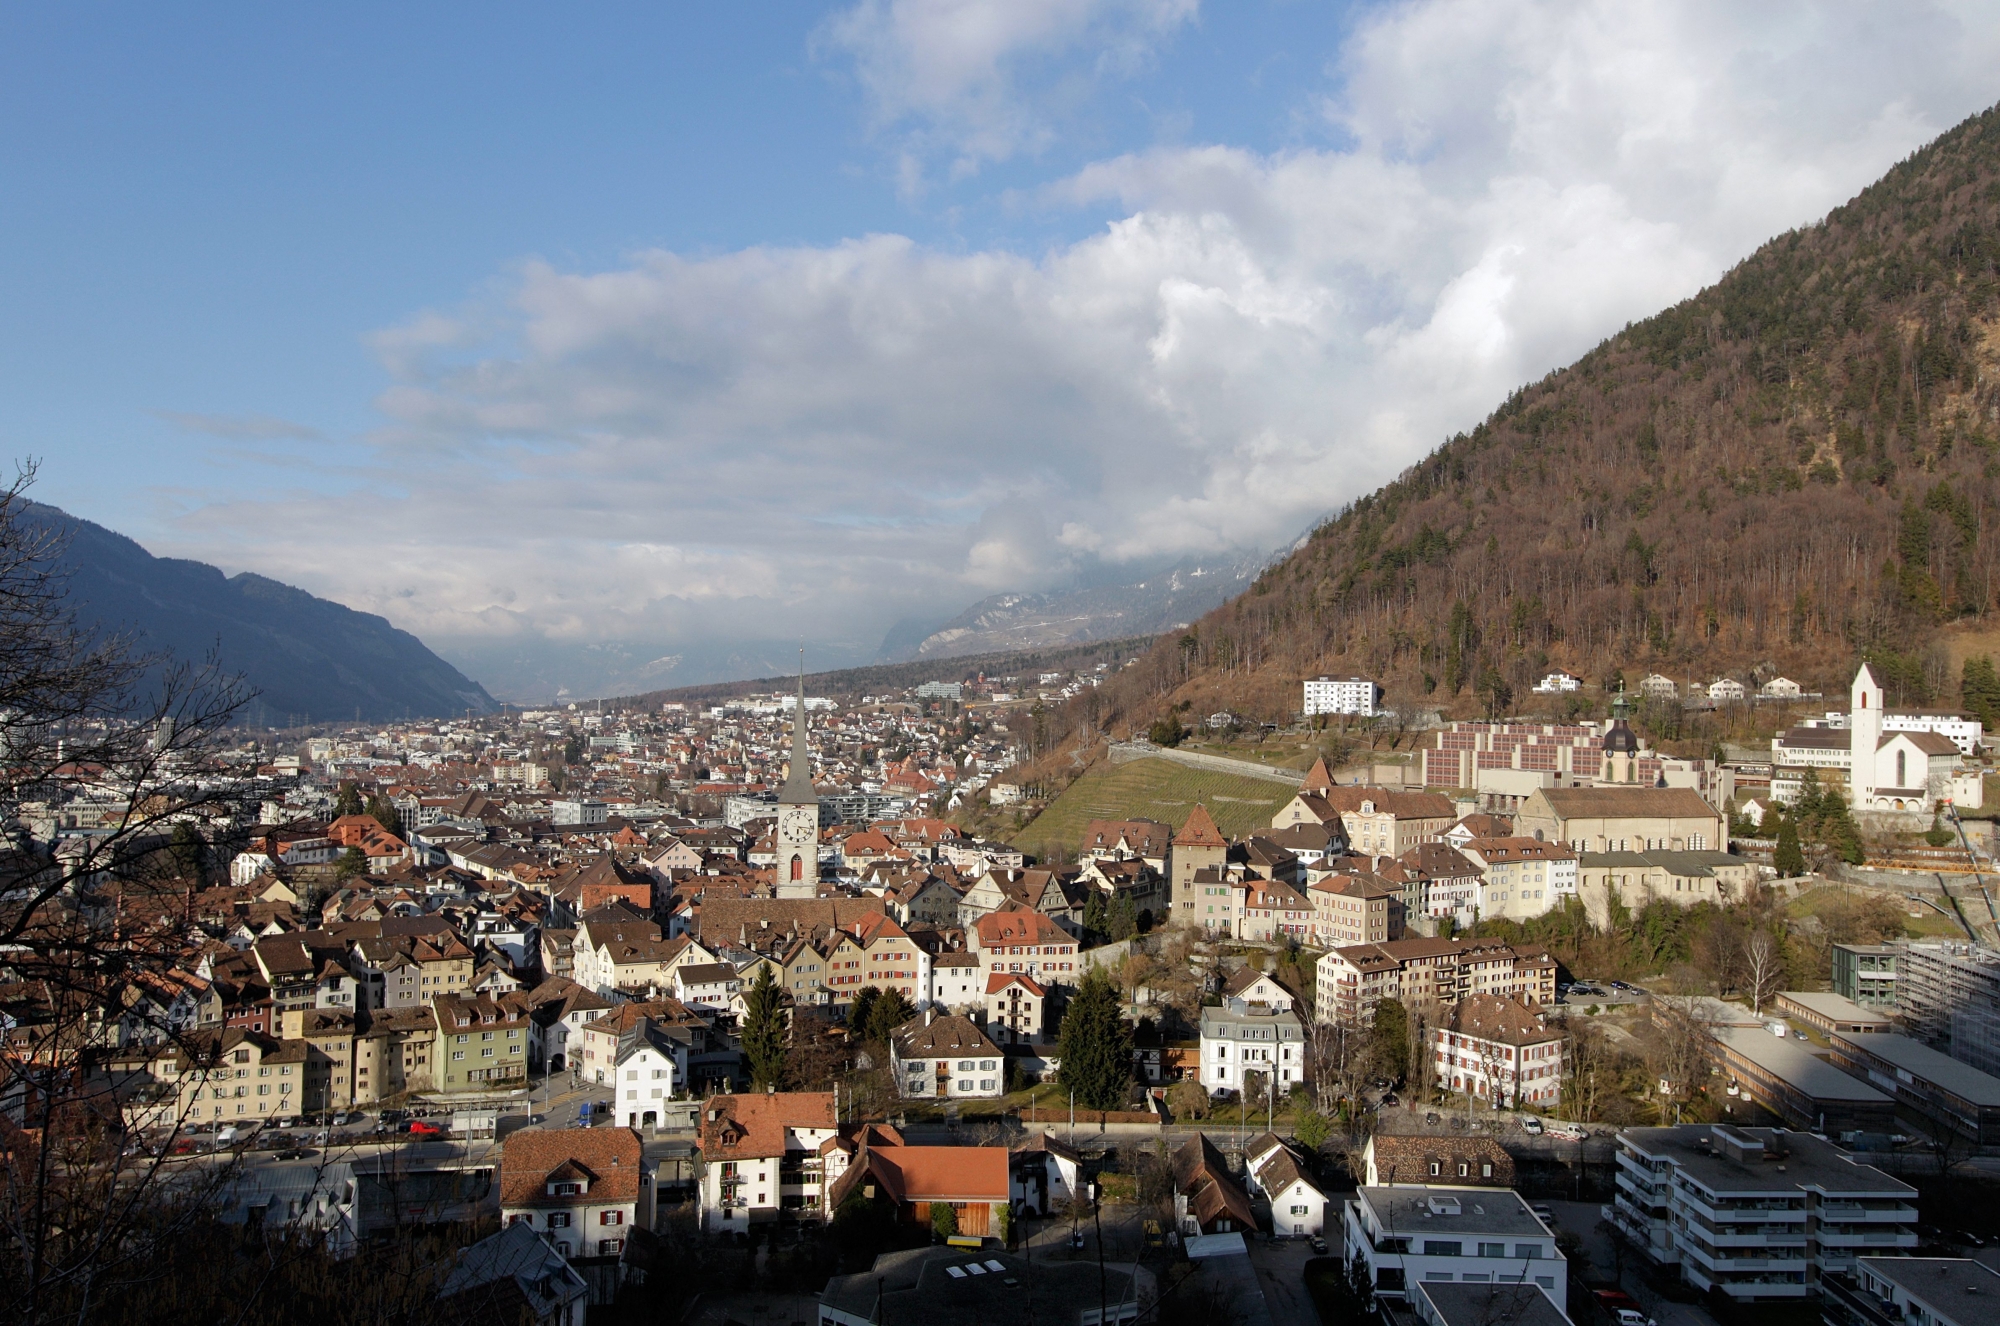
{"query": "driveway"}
pixel 1281 1274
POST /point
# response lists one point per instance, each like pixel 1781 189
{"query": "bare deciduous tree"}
pixel 1763 968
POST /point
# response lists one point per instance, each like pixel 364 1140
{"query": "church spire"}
pixel 798 782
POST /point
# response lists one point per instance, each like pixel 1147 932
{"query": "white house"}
pixel 958 981
pixel 1724 690
pixel 1235 1044
pixel 761 1154
pixel 586 1188
pixel 1298 1207
pixel 1780 688
pixel 1558 683
pixel 946 1056
pixel 649 1067
pixel 712 986
pixel 1429 1235
pixel 1342 695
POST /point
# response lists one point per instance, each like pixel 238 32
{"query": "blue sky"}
pixel 669 328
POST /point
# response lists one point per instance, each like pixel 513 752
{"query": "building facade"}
pixel 1755 1213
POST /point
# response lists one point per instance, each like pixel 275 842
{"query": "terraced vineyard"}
pixel 1154 790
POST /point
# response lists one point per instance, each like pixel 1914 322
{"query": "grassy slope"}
pixel 1149 789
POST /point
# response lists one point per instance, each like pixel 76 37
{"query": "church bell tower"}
pixel 797 834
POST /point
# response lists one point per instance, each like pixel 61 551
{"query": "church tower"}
pixel 798 812
pixel 1864 737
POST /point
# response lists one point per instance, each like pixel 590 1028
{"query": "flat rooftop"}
pixel 1806 1162
pixel 950 1284
pixel 1489 1305
pixel 1791 1062
pixel 1836 1008
pixel 1408 1210
pixel 1956 1289
pixel 1921 1061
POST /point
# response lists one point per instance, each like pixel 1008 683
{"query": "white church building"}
pixel 1890 768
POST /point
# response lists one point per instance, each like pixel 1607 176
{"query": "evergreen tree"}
pixel 1095 920
pixel 857 1012
pixel 1096 1046
pixel 1311 1128
pixel 348 802
pixel 385 815
pixel 1939 835
pixel 764 1030
pixel 190 853
pixel 1124 918
pixel 1389 1040
pixel 944 1220
pixel 1790 860
pixel 1979 689
pixel 352 862
pixel 889 1011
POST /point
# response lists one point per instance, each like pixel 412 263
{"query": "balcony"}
pixel 1848 1213
pixel 1869 1239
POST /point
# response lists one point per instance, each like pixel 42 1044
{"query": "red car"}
pixel 424 1128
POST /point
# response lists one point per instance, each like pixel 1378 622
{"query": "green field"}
pixel 1154 790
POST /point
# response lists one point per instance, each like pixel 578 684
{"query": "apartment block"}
pixel 1352 980
pixel 1756 1213
pixel 1412 1235
pixel 1950 997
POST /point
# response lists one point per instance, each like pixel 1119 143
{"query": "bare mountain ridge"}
pixel 1792 468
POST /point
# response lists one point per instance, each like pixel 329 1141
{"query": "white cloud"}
pixel 984 80
pixel 242 427
pixel 815 441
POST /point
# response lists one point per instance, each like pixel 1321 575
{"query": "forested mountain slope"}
pixel 305 658
pixel 1793 468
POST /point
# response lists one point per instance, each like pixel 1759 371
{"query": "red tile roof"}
pixel 747 1126
pixel 611 1160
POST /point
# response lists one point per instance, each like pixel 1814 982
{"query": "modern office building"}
pixel 1447 1235
pixel 1800 1087
pixel 1866 973
pixel 1935 1085
pixel 1757 1213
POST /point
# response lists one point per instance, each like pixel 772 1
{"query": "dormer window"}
pixel 565 1189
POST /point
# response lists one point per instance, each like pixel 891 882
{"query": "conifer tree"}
pixel 764 1030
pixel 1096 1046
pixel 1789 859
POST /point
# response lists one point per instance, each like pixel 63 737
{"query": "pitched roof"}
pixel 1499 1018
pixel 1386 800
pixel 928 1036
pixel 1000 980
pixel 1019 927
pixel 1627 803
pixel 1199 830
pixel 1211 1191
pixel 612 1158
pixel 930 1173
pixel 1317 778
pixel 752 1125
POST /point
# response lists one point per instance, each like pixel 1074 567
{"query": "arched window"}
pixel 1899 769
pixel 798 868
